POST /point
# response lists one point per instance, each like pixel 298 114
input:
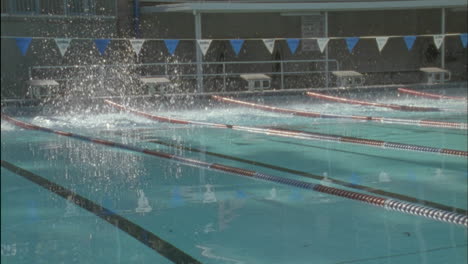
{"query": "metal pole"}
pixel 198 35
pixel 282 74
pixel 442 47
pixel 326 51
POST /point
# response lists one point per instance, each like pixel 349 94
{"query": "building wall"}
pixel 395 64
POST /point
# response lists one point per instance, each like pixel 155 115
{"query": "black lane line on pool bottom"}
pixel 144 236
pixel 318 177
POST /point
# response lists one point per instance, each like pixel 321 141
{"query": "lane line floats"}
pixel 429 95
pixel 302 134
pixel 391 106
pixel 398 196
pixel 383 120
pixel 389 204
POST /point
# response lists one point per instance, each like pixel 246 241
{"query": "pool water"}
pixel 217 217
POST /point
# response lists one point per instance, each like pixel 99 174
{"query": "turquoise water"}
pixel 221 218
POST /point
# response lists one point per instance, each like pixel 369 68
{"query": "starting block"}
pixel 436 75
pixel 348 78
pixel 41 88
pixel 256 81
pixel 155 84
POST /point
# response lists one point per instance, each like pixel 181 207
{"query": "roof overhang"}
pixel 299 7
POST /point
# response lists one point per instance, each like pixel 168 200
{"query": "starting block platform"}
pixel 436 75
pixel 41 88
pixel 155 84
pixel 256 81
pixel 348 78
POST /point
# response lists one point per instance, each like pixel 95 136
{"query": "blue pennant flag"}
pixel 292 44
pixel 101 45
pixel 409 40
pixel 351 43
pixel 171 45
pixel 237 45
pixel 355 179
pixel 464 39
pixel 23 44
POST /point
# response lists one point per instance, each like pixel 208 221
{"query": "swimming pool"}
pixel 132 203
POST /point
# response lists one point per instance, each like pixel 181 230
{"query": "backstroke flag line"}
pixel 438 39
pixel 236 45
pixel 101 45
pixel 204 45
pixel 23 44
pixel 381 41
pixel 464 39
pixel 351 43
pixel 62 44
pixel 171 45
pixel 136 45
pixel 269 44
pixel 409 40
pixel 292 44
pixel 322 43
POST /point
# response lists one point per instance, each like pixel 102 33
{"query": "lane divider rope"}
pixel 429 95
pixel 389 204
pixel 303 134
pixel 318 177
pixel 391 106
pixel 383 120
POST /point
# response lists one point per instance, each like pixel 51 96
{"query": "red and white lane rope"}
pixel 391 106
pixel 389 204
pixel 429 95
pixel 302 134
pixel 384 120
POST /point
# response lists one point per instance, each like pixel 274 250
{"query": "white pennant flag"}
pixel 438 39
pixel 136 45
pixel 322 43
pixel 269 44
pixel 204 45
pixel 381 41
pixel 62 44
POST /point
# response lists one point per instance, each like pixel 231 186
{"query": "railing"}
pixel 60 7
pixel 173 70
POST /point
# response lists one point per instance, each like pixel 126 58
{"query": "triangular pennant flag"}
pixel 322 43
pixel 409 40
pixel 351 43
pixel 204 45
pixel 62 44
pixel 237 45
pixel 293 44
pixel 137 44
pixel 171 45
pixel 438 39
pixel 23 44
pixel 269 44
pixel 381 41
pixel 101 45
pixel 464 39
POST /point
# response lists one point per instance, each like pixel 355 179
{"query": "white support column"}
pixel 327 78
pixel 198 35
pixel 442 47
